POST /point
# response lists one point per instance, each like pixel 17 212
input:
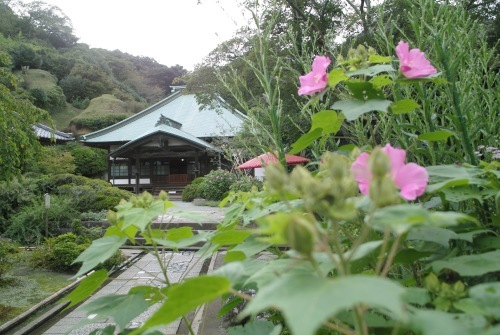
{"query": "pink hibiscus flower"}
pixel 411 179
pixel 317 79
pixel 413 63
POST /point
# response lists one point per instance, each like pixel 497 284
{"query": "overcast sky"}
pixel 170 31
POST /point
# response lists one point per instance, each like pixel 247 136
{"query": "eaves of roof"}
pixel 169 131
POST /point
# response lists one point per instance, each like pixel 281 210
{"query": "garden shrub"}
pixel 90 162
pixel 7 256
pixel 58 253
pixel 14 195
pixel 245 184
pixel 28 225
pixel 193 190
pixel 217 183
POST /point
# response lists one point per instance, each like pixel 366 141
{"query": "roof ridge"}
pixel 134 117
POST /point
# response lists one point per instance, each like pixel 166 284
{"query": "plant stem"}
pixel 450 76
pixel 390 258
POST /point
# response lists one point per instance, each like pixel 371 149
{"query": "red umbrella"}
pixel 269 158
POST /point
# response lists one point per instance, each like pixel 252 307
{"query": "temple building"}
pixel 166 145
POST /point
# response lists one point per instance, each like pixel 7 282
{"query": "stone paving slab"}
pixel 145 271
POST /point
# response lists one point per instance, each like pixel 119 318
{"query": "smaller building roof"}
pixel 45 132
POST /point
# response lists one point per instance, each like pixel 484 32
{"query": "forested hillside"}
pixel 65 77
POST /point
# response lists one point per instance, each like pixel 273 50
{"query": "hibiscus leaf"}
pixel 363 90
pixel 375 59
pixel 404 106
pixel 261 327
pixel 372 70
pixel 86 287
pixel 306 140
pixel 336 76
pixel 184 297
pixel 470 265
pixel 353 109
pixel 439 135
pixel 99 251
pixel 325 298
pixel 329 121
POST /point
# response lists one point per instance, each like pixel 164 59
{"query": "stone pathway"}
pixel 146 271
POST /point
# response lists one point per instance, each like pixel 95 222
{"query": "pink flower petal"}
pixel 361 172
pixel 317 79
pixel 396 156
pixel 412 63
pixel 412 180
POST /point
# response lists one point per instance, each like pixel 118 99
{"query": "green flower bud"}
pixel 111 217
pixel 432 283
pixel 163 196
pixel 383 192
pixel 380 164
pixel 276 177
pixel 301 179
pixel 301 235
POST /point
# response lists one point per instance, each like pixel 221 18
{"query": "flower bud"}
pixel 111 217
pixel 383 192
pixel 301 235
pixel 301 179
pixel 380 164
pixel 276 177
pixel 163 196
pixel 432 283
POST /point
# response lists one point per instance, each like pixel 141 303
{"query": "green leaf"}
pixel 250 247
pixel 402 218
pixel 381 81
pixel 99 251
pixel 122 308
pixel 487 243
pixel 233 256
pixel 404 106
pixel 228 306
pixel 184 297
pixel 86 287
pixel 230 237
pixel 325 298
pixel 177 234
pixel 372 70
pixel 470 265
pixel 306 140
pixel 437 235
pixel 470 236
pixel 183 242
pixel 363 90
pixel 336 76
pixel 433 322
pixel 445 176
pixel 487 297
pixel 254 327
pixel 417 295
pixel 439 135
pixel 352 109
pixel 375 59
pixel 328 120
pixel 141 217
pixel 410 256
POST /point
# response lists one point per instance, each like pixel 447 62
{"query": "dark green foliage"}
pixel 14 195
pixel 217 183
pixel 90 162
pixel 193 190
pixel 56 100
pixel 7 256
pixel 27 226
pixel 58 253
pixel 98 123
pixel 80 103
pixel 39 96
pixel 245 184
pixel 25 55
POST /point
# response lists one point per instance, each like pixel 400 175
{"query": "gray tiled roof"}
pixel 179 107
pixel 43 131
pixel 171 131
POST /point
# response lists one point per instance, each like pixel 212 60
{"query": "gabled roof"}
pixel 169 131
pixel 181 108
pixel 45 132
